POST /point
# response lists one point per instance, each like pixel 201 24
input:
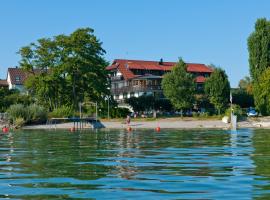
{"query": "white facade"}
pixel 11 86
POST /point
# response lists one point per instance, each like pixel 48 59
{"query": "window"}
pixel 17 78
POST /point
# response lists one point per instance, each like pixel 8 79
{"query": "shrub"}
pixel 195 114
pixel 16 111
pixel 120 112
pixel 19 122
pixel 36 113
pixel 32 113
pixel 204 114
pixel 237 110
pixel 63 111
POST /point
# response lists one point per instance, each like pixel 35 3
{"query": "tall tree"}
pixel 217 89
pixel 259 61
pixel 66 69
pixel 246 84
pixel 262 93
pixel 259 48
pixel 179 86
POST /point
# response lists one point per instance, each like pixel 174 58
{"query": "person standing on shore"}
pixel 128 120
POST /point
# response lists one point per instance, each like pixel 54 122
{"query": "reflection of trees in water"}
pixel 170 153
pixel 96 155
pixel 261 144
pixel 261 158
pixel 59 154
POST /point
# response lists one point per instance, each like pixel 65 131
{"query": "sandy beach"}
pixel 162 123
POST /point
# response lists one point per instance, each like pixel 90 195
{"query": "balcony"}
pixel 128 89
pixel 117 78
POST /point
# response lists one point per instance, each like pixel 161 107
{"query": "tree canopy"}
pixel 9 97
pixel 246 84
pixel 66 69
pixel 217 89
pixel 148 102
pixel 262 93
pixel 259 62
pixel 179 86
pixel 259 48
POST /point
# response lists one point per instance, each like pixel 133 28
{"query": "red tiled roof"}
pixel 124 66
pixel 20 73
pixel 17 72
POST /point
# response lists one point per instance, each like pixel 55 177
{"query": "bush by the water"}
pixel 63 111
pixel 237 110
pixel 20 114
pixel 119 112
pixel 19 122
pixel 37 113
pixel 16 111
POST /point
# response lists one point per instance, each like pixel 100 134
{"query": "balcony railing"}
pixel 117 78
pixel 128 89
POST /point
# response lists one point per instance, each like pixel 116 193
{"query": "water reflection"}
pixel 174 164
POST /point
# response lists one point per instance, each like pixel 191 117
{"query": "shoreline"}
pixel 162 123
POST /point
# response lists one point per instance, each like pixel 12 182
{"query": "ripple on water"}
pixel 118 165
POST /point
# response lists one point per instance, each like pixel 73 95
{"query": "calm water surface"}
pixel 174 164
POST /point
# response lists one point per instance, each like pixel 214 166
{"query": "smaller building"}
pixel 3 83
pixel 15 78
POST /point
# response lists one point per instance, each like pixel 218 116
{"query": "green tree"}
pixel 243 95
pixel 246 84
pixel 179 86
pixel 9 97
pixel 217 89
pixel 259 62
pixel 141 103
pixel 242 98
pixel 262 93
pixel 259 48
pixel 66 69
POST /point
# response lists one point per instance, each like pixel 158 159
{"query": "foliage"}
pixel 201 101
pixel 162 105
pixel 30 114
pixel 65 69
pixel 245 84
pixel 259 62
pixel 237 110
pixel 16 111
pixel 9 97
pixel 142 103
pixel 148 102
pixel 242 98
pixel 119 112
pixel 262 93
pixel 259 48
pixel 19 122
pixel 63 111
pixel 179 86
pixel 37 113
pixel 217 89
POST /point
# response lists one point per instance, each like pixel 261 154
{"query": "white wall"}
pixel 9 82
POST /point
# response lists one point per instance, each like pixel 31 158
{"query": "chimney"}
pixel 161 61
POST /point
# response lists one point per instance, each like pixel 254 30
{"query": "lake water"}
pixel 172 164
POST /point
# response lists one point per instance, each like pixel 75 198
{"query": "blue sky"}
pixel 199 31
